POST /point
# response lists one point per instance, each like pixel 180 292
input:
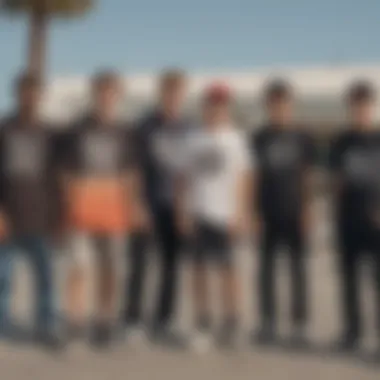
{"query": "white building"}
pixel 319 91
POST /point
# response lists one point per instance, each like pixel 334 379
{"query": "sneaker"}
pixel 299 338
pixel 102 335
pixel 265 335
pixel 201 342
pixel 163 334
pixel 349 342
pixel 51 340
pixel 135 333
pixel 76 332
pixel 227 336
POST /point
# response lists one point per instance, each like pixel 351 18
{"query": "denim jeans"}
pixel 38 253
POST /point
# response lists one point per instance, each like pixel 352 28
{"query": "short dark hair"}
pixel 105 77
pixel 172 78
pixel 278 89
pixel 27 80
pixel 360 91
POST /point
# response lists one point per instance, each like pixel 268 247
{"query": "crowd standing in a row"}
pixel 187 185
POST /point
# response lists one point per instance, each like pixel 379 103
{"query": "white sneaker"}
pixel 201 343
pixel 136 335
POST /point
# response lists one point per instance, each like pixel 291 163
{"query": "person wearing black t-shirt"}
pixel 100 181
pixel 28 202
pixel 355 168
pixel 160 134
pixel 285 155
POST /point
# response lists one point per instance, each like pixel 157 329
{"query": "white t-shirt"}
pixel 214 161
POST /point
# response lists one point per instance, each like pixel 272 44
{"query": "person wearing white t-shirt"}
pixel 216 173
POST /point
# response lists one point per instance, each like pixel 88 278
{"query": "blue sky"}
pixel 202 35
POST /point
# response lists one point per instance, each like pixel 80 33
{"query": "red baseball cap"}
pixel 218 93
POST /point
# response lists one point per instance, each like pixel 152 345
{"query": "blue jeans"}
pixel 38 253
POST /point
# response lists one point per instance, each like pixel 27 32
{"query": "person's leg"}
pixel 296 246
pixel 231 292
pixel 6 266
pixel 229 286
pixel 40 256
pixel 76 282
pixel 375 264
pixel 267 284
pixel 376 256
pixel 199 280
pixel 168 245
pixel 201 336
pixel 349 260
pixel 137 251
pixel 108 253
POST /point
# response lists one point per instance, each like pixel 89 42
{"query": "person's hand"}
pixel 307 222
pixel 4 226
pixel 185 225
pixel 59 236
pixel 238 227
pixel 142 220
pixel 256 228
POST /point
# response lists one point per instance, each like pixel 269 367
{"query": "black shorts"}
pixel 212 243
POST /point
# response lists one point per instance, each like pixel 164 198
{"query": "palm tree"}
pixel 39 13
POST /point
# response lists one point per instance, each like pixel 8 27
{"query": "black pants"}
pixel 275 236
pixel 168 244
pixel 137 252
pixel 357 243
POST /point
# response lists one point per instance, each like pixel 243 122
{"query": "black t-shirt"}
pixel 355 162
pixel 283 158
pixel 160 141
pixel 28 181
pixel 88 149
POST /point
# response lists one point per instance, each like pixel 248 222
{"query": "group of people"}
pixel 104 186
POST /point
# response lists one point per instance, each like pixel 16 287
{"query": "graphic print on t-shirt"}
pixel 282 153
pixel 209 161
pixel 100 153
pixel 167 149
pixel 357 166
pixel 25 155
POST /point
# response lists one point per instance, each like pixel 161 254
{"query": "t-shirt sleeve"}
pixel 335 154
pixel 139 137
pixel 67 152
pixel 311 150
pixel 131 150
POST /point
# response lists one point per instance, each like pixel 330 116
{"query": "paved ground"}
pixel 144 362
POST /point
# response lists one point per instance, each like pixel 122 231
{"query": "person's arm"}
pixel 308 183
pixel 134 179
pixel 335 181
pixel 183 171
pixel 184 221
pixel 245 166
pixel 4 223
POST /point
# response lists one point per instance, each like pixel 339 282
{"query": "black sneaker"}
pixel 51 340
pixel 349 342
pixel 101 336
